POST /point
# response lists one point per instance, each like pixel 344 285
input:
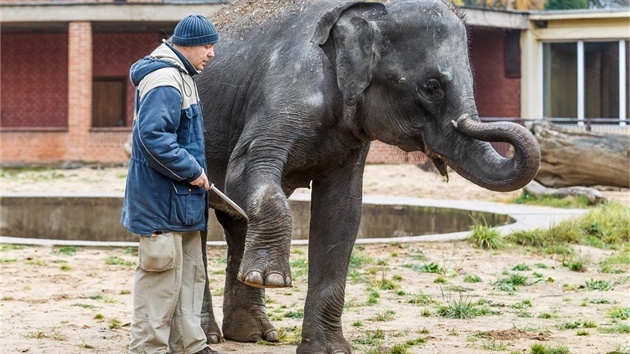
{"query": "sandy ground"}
pixel 55 301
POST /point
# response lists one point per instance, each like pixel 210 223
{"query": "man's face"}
pixel 199 55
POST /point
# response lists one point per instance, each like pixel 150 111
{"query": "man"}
pixel 165 198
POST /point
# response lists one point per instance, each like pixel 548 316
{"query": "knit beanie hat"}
pixel 194 30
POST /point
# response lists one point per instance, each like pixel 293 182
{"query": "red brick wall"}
pixel 115 52
pixel 87 55
pixel 496 95
pixel 34 80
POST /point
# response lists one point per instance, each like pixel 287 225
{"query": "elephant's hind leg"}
pixel 244 314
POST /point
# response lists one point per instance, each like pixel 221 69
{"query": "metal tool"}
pixel 228 200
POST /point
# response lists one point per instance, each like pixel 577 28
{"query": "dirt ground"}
pixel 64 300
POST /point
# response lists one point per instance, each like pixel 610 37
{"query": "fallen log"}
pixel 570 158
pixel 539 191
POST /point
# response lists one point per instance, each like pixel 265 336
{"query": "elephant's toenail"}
pixel 213 339
pixel 272 336
pixel 254 278
pixel 288 282
pixel 275 280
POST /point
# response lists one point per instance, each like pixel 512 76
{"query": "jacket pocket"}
pixel 156 253
pixel 188 204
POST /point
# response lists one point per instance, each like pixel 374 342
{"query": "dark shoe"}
pixel 207 350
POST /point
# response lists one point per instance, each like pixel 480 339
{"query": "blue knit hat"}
pixel 194 30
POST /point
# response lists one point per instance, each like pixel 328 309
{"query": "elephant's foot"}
pixel 335 345
pixel 210 328
pixel 243 325
pixel 263 270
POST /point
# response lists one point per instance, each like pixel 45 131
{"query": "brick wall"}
pixel 56 125
pixel 34 80
pixel 496 95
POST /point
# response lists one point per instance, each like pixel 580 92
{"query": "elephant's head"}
pixel 405 68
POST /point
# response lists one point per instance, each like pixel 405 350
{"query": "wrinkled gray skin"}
pixel 296 104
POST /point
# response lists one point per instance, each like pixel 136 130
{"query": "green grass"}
pixel 511 282
pixel 618 328
pixel 601 285
pixel 542 349
pixel 67 250
pixel 115 260
pixel 472 279
pixel 485 237
pixel 567 202
pixel 621 313
pixel 605 226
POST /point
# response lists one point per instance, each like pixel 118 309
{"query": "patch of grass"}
pixel 421 299
pixel 115 323
pixel 485 237
pixel 290 335
pixel 605 226
pixel 542 349
pixel 85 306
pixel 115 260
pixel 385 316
pixel 373 298
pixel 462 308
pixel 620 313
pixel 601 285
pixel 440 280
pixel 568 202
pixel 522 305
pixel 8 260
pixel 299 268
pixel 37 262
pixel 547 315
pixel 67 250
pixel 294 314
pixel 472 279
pixel 618 328
pixel 493 345
pixel 521 267
pixel 371 338
pixel 511 282
pixel 5 248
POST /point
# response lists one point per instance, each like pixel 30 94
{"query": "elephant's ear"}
pixel 347 35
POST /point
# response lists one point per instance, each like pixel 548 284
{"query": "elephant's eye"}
pixel 433 89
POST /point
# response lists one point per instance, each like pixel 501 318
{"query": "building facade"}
pixel 66 96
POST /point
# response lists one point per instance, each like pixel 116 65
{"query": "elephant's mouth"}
pixel 439 162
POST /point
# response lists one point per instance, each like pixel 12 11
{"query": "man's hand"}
pixel 201 181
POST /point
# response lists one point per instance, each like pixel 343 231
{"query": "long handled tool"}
pixel 228 200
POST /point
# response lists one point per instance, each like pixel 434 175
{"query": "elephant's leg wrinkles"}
pixel 265 262
pixel 333 229
pixel 244 314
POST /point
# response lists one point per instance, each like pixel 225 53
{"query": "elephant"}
pixel 293 100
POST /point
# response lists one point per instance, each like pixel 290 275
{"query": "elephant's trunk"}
pixel 495 172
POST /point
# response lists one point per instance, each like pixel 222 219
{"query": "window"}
pixel 583 80
pixel 108 102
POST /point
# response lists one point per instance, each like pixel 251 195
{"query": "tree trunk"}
pixel 539 191
pixel 571 158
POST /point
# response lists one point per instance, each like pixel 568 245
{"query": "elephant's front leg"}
pixel 244 314
pixel 335 217
pixel 265 262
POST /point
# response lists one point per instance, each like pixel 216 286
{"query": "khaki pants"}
pixel 168 294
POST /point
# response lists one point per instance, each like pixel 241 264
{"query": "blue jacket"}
pixel 167 148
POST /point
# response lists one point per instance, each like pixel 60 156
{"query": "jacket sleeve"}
pixel 157 122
